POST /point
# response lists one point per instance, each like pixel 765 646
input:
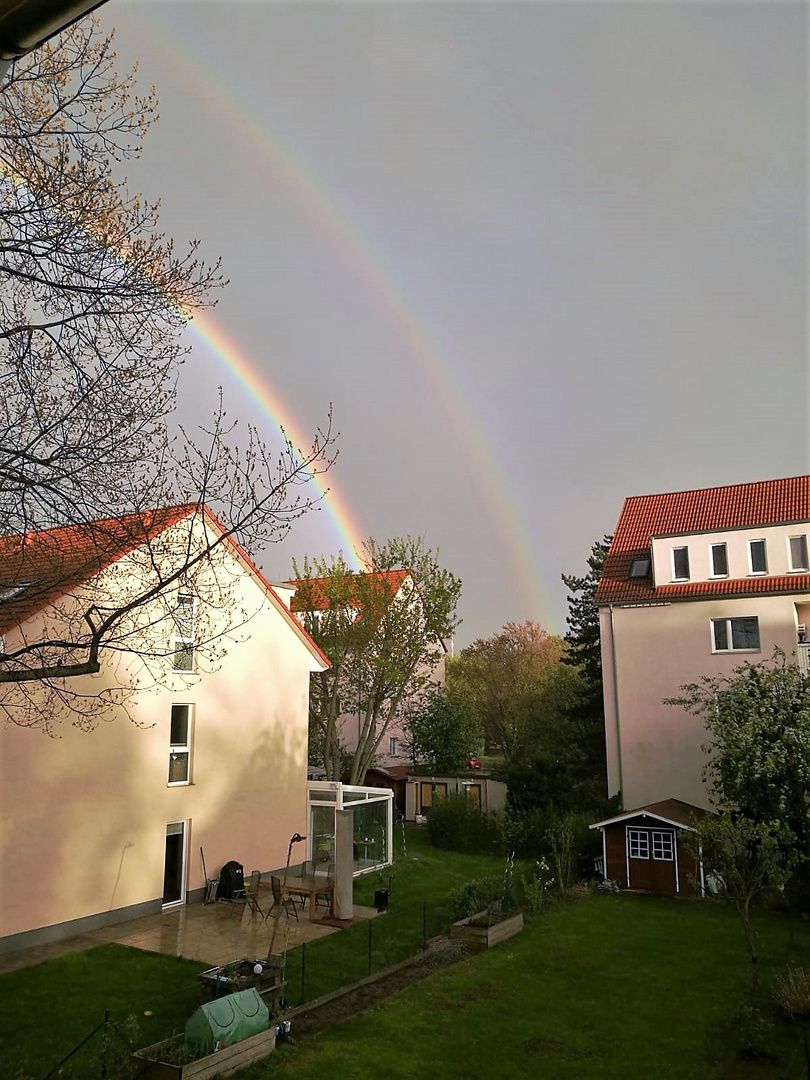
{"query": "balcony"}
pixel 803 657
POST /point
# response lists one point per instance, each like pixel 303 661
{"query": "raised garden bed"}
pixel 486 928
pixel 240 975
pixel 164 1060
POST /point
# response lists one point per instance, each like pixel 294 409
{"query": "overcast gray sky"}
pixel 539 256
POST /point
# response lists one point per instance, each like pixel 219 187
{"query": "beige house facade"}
pixel 207 757
pixel 695 583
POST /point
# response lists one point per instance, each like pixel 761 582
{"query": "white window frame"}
pixel 721 544
pixel 730 635
pixel 177 749
pixel 661 851
pixel 751 571
pixel 393 746
pixel 793 568
pixel 638 840
pixel 182 643
pixel 682 547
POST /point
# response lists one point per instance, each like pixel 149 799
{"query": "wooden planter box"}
pixel 229 978
pixel 481 931
pixel 224 1062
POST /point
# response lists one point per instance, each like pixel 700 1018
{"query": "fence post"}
pixel 369 946
pixel 303 970
pixel 424 924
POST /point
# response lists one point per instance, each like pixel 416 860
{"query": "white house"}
pixel 206 751
pixel 695 583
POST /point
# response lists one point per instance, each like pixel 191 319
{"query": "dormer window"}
pixel 719 554
pixel 798 552
pixel 640 567
pixel 757 557
pixel 680 564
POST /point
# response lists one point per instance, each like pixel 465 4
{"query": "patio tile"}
pixel 209 933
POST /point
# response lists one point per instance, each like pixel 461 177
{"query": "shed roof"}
pixel 667 811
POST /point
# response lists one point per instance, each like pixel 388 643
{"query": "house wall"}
pixel 348 727
pixel 654 751
pixel 84 814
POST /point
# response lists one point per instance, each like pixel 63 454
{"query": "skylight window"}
pixel 13 591
pixel 640 567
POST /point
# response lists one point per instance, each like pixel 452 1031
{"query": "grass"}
pixel 48 1008
pixel 418 910
pixel 628 986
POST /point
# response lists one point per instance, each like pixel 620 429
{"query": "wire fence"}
pixel 311 970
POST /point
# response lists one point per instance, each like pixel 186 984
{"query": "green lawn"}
pixel 47 1009
pixel 611 987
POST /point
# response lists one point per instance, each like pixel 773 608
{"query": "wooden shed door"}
pixel 651 859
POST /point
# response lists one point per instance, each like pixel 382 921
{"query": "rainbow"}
pixel 204 328
pixel 499 504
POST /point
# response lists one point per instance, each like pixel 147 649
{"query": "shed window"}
pixel 638 842
pixel 663 846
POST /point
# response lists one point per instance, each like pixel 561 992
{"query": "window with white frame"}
pixel 719 559
pixel 180 745
pixel 393 746
pixel 638 843
pixel 735 635
pixel 797 546
pixel 184 619
pixel 680 564
pixel 663 846
pixel 757 557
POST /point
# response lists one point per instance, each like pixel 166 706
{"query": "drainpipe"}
pixel 616 699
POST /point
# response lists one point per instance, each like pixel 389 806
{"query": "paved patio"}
pixel 212 933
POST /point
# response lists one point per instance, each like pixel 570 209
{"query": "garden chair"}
pixel 253 893
pixel 286 903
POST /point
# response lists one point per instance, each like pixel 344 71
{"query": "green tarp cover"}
pixel 227 1020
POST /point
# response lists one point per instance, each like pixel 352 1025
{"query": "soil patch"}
pixel 343 1004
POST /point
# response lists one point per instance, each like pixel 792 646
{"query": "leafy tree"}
pixel 758 720
pixel 751 857
pixel 493 675
pixel 382 631
pixel 93 298
pixel 442 732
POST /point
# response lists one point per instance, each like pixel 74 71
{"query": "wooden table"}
pixel 312 885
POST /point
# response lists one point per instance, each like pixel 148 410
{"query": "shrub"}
pixel 454 825
pixel 475 896
pixel 792 992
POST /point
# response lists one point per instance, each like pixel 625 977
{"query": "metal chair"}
pixel 253 893
pixel 286 903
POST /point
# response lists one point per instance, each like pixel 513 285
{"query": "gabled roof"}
pixel 767 502
pixel 37 568
pixel 317 596
pixel 673 812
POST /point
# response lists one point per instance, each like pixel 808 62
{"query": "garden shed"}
pixel 645 848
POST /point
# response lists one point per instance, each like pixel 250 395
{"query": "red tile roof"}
pixel 767 502
pixel 51 562
pixel 317 597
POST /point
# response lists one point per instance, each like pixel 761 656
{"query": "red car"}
pixel 473 763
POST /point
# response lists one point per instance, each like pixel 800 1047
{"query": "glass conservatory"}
pixel 362 816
